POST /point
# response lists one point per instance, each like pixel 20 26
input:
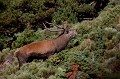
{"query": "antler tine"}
pixel 52 29
pixel 59 26
pixel 48 23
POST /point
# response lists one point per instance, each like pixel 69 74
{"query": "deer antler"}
pixel 54 30
pixel 53 24
pixel 64 27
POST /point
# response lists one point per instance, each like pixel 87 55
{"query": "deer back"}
pixel 41 47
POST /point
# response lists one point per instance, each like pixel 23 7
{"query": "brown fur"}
pixel 43 49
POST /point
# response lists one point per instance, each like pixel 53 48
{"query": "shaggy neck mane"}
pixel 61 42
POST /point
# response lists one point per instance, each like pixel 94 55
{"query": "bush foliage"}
pixel 96 48
pixel 16 14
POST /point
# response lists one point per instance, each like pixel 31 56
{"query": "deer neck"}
pixel 61 42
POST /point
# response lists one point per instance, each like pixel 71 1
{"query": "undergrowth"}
pixel 96 49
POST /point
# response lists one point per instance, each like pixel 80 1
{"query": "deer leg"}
pixel 21 61
pixel 22 58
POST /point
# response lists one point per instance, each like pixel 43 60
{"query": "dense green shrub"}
pixel 5 41
pixel 16 14
pixel 20 12
pixel 97 50
pixel 65 14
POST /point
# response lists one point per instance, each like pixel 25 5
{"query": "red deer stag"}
pixel 43 49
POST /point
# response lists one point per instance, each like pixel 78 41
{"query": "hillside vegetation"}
pixel 93 54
